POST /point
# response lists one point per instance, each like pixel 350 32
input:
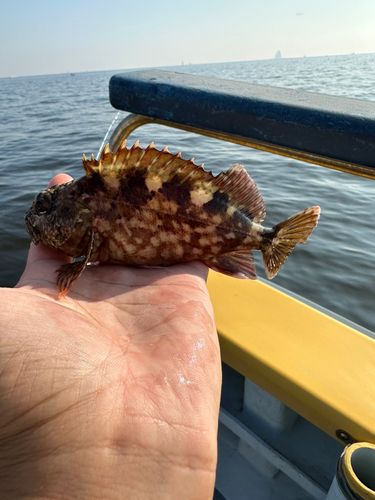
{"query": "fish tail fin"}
pixel 286 236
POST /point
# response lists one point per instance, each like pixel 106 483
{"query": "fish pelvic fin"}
pixel 285 236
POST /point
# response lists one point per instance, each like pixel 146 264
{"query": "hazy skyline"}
pixel 46 36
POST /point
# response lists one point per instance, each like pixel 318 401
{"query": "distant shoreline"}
pixel 123 70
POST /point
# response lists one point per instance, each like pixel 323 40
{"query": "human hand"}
pixel 113 391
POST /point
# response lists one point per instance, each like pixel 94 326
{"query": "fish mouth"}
pixel 30 227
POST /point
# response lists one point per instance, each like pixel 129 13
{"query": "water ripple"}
pixel 49 121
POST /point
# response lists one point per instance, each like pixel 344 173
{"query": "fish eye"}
pixel 42 206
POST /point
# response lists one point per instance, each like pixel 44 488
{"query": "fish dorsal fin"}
pixel 151 161
pixel 162 166
pixel 242 191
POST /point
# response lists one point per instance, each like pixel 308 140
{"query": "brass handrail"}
pixel 133 121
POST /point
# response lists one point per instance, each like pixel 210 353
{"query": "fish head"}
pixel 58 219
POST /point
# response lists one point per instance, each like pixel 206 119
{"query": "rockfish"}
pixel 144 207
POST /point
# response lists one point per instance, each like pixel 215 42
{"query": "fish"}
pixel 148 207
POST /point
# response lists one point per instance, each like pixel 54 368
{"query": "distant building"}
pixel 278 55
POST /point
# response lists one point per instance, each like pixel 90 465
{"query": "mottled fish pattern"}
pixel 144 207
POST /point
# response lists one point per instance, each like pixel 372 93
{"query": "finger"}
pixel 60 179
pixel 41 252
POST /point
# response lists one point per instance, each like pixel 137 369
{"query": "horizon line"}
pixel 178 65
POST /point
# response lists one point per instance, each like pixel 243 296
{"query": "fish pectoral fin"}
pixel 67 276
pixel 69 273
pixel 239 264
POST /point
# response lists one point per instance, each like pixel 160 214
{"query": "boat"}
pixel 297 416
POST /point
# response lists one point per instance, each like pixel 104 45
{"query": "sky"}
pixel 48 36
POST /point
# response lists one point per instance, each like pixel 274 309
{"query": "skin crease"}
pixel 112 392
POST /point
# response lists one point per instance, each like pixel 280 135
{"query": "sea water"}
pixel 48 122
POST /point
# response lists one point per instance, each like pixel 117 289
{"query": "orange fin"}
pixel 237 184
pixel 238 264
pixel 67 276
pixel 69 273
pixel 162 164
pixel 242 192
pixel 287 235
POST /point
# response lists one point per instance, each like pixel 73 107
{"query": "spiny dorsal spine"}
pixel 166 167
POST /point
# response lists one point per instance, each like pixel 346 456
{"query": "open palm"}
pixel 112 391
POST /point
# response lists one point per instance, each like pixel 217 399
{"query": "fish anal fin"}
pixel 68 274
pixel 238 264
pixel 287 235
